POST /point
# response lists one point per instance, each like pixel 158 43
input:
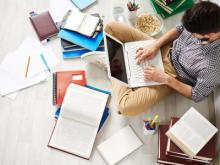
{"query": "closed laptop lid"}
pixel 116 60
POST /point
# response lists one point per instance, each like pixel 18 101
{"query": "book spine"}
pixel 168 11
pixel 153 7
pixel 54 88
pixel 180 4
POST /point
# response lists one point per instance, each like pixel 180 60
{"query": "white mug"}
pixel 131 14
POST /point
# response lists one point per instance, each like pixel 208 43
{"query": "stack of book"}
pixel 189 140
pixel 80 33
pixel 167 8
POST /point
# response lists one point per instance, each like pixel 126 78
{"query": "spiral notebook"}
pixel 61 81
pixel 82 23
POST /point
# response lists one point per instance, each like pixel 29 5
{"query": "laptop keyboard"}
pixel 137 70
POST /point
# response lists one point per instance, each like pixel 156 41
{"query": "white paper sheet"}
pixel 9 87
pixel 58 8
pixel 119 145
pixel 17 63
pixel 12 95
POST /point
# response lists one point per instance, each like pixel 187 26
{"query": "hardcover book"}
pixel 202 156
pixel 79 120
pixel 44 25
pixel 191 132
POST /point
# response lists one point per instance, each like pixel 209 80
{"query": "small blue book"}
pixel 81 40
pixel 78 51
pixel 82 4
pixel 76 48
pixel 106 112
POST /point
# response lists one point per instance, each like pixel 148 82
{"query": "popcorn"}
pixel 147 24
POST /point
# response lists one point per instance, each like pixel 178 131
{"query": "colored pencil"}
pixel 27 66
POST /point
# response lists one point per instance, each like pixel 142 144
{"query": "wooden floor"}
pixel 26 123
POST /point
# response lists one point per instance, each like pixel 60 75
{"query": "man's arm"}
pixel 180 87
pixel 151 50
pixel 157 75
pixel 167 38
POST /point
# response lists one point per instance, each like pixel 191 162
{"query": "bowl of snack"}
pixel 149 23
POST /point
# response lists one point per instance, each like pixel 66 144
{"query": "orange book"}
pixel 61 81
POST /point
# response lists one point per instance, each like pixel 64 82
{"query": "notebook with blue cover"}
pixel 81 40
pixel 79 53
pixel 75 52
pixel 82 4
pixel 76 48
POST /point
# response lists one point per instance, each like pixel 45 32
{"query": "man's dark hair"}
pixel 202 18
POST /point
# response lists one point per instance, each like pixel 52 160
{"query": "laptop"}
pixel 129 73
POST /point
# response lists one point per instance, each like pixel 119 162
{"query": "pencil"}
pixel 27 66
pixel 156 123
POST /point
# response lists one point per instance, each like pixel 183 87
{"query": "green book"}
pixel 187 5
pixel 157 8
pixel 173 6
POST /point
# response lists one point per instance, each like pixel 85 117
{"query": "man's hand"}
pixel 155 74
pixel 147 52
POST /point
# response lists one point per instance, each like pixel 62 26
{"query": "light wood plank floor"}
pixel 26 123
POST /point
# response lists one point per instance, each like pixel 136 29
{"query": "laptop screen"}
pixel 116 60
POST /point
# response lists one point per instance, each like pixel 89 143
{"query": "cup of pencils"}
pixel 150 126
pixel 132 9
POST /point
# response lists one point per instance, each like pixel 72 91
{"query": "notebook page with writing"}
pixel 74 21
pixel 84 104
pixel 88 25
pixel 119 145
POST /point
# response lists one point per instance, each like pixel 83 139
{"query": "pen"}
pixel 147 124
pixel 27 66
pixel 44 61
pixel 154 120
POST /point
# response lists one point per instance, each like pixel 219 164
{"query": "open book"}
pixel 82 23
pixel 191 132
pixel 79 120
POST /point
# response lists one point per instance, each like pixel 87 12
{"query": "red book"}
pixel 162 145
pixel 44 25
pixel 168 2
pixel 61 81
pixel 206 153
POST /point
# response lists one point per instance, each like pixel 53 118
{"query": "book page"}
pixel 74 21
pixel 193 130
pixel 84 104
pixel 74 137
pixel 88 25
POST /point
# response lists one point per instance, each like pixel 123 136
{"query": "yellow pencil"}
pixel 149 119
pixel 157 123
pixel 27 66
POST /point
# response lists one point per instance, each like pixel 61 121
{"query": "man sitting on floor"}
pixel 190 54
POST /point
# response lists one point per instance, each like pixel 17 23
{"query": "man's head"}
pixel 203 20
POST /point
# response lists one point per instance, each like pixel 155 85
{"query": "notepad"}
pixel 119 145
pixel 82 23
